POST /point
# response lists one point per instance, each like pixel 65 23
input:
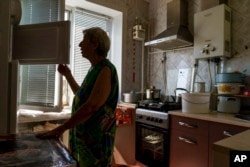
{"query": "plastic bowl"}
pixel 229 88
pixel 229 78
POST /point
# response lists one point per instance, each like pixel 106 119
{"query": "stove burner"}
pixel 158 105
pixel 151 104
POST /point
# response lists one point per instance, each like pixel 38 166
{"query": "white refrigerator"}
pixel 18 45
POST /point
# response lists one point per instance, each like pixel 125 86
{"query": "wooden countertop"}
pixel 214 117
pixel 234 143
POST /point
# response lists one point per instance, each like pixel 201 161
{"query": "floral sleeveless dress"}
pixel 92 142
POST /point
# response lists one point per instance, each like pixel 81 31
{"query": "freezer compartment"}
pixel 26 150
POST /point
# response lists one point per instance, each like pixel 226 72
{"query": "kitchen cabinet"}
pixel 222 148
pixel 191 139
pixel 124 149
pixel 188 142
pixel 219 131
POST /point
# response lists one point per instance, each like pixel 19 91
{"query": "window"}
pixel 39 83
pixel 84 19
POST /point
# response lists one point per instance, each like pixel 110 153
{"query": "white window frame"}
pixel 68 95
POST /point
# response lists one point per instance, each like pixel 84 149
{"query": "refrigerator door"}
pixel 44 43
pixel 14 94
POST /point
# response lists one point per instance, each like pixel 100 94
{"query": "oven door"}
pixel 152 145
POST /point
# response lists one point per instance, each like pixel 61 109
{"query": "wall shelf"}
pixel 230 95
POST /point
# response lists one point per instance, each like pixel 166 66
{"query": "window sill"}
pixel 27 116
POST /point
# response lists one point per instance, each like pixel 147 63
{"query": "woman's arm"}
pixel 65 71
pixel 97 98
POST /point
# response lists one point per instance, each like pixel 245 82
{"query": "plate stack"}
pixel 228 85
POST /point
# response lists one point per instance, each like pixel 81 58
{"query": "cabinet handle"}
pixel 187 125
pixel 186 140
pixel 226 133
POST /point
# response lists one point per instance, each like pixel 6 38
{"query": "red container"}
pixel 123 116
pixel 247 93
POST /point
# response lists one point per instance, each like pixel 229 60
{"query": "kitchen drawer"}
pixel 220 131
pixel 189 125
pixel 188 150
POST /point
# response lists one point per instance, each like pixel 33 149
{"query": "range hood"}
pixel 177 34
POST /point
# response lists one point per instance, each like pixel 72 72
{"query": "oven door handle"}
pixel 152 127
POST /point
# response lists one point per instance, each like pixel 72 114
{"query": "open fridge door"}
pixel 14 96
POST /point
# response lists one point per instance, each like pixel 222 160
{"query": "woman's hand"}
pixel 55 133
pixel 63 69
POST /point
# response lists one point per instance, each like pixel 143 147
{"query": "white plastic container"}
pixel 229 88
pixel 228 104
pixel 195 102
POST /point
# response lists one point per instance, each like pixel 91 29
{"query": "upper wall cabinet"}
pixel 45 43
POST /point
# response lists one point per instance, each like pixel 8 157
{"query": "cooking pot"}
pixel 228 104
pixel 152 93
pixel 131 97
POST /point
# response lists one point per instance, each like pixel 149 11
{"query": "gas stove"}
pixel 151 117
pixel 154 113
pixel 151 104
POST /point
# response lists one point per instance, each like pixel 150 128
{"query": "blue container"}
pixel 229 78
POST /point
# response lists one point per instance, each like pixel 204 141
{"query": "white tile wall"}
pixel 183 58
pixel 153 16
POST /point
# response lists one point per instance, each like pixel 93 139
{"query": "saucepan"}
pixel 132 97
pixel 153 93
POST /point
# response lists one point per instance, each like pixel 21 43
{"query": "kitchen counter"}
pixel 213 127
pixel 234 143
pixel 215 117
pixel 222 148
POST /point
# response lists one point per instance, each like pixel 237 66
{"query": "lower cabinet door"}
pixel 188 150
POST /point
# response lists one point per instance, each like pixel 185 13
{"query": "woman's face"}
pixel 86 47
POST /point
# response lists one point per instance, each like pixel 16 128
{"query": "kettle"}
pixel 178 98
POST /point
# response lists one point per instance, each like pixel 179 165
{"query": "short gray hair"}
pixel 96 34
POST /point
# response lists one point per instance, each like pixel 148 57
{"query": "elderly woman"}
pixel 92 124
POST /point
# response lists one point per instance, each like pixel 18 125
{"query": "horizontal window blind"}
pixel 84 19
pixel 38 82
pixel 38 85
pixel 40 11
